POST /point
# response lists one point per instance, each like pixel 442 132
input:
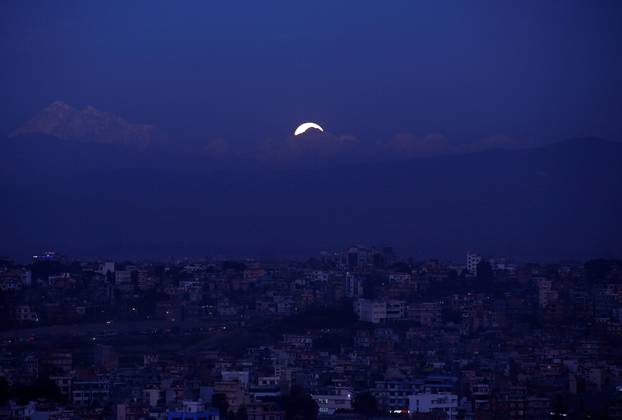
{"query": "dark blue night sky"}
pixel 532 70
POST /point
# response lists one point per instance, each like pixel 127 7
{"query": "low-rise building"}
pixel 434 402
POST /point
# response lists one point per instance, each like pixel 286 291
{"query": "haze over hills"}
pixel 312 148
pixel 93 199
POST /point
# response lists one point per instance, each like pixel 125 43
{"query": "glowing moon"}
pixel 305 126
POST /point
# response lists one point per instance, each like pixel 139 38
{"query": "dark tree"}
pixel 559 407
pixel 485 274
pixel 43 388
pixel 233 265
pixel 371 285
pixel 220 402
pixel 4 391
pixel 365 404
pixel 41 270
pixel 332 342
pixel 602 270
pixel 401 267
pixel 241 414
pixel 299 405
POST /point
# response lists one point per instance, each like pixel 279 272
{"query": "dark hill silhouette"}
pixel 561 200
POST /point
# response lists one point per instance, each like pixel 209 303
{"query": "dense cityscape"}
pixel 358 333
pixel 324 210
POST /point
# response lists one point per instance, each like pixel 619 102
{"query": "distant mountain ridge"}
pixel 87 125
pixel 562 200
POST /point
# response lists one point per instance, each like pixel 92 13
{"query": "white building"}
pixel 106 267
pixel 298 340
pixel 376 311
pixel 123 280
pixel 190 406
pixel 90 391
pixel 328 403
pixel 395 309
pixel 318 275
pixel 472 259
pixel 400 278
pixel 25 313
pixel 267 387
pixel 242 376
pixel 152 395
pixel 429 402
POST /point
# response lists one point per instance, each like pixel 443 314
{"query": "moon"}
pixel 305 126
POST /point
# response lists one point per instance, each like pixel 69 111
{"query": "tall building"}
pixel 472 259
pixel 354 285
pixel 546 292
